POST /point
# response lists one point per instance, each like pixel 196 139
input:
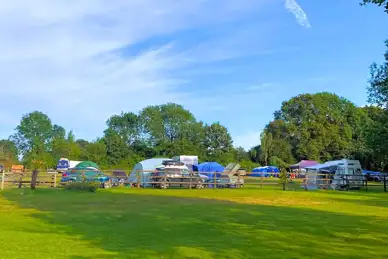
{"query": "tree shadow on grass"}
pixel 138 226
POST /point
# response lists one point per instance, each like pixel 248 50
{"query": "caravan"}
pixel 190 161
pixel 338 174
pixel 64 164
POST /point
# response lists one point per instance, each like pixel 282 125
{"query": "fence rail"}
pixel 252 180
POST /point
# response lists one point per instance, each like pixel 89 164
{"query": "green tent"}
pixel 87 165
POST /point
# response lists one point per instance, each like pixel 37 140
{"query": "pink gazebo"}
pixel 304 164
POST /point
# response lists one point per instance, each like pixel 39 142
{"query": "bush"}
pixel 82 186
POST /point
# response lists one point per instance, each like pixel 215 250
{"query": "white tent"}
pixel 144 169
pixel 313 179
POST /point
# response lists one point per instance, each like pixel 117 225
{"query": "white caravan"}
pixel 189 161
pixel 64 164
pixel 339 174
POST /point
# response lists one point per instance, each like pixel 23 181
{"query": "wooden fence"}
pixel 247 180
pixel 24 179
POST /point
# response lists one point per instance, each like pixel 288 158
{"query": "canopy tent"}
pixel 265 171
pixel 87 165
pixel 315 177
pixel 304 164
pixel 210 169
pixel 144 168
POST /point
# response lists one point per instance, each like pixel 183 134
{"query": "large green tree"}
pixel 318 126
pixel 59 144
pixel 378 128
pixel 218 143
pixel 126 125
pixel 170 129
pixel 33 137
pixel 378 82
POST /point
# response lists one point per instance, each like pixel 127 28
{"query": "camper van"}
pixel 64 164
pixel 189 161
pixel 348 175
pixel 338 174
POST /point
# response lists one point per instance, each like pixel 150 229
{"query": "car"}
pixel 164 178
pixel 88 176
pixel 119 178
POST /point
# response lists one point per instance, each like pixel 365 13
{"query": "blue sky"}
pixel 230 61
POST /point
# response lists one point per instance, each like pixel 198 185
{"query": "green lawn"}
pixel 224 223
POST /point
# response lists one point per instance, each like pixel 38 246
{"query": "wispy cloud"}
pixel 300 15
pixel 70 57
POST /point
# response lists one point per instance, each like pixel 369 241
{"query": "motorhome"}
pixel 64 164
pixel 338 174
pixel 189 161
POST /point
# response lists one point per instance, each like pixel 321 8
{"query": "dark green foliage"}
pixel 377 131
pixel 318 126
pixel 283 177
pixel 378 82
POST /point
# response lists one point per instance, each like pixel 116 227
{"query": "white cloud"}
pixel 300 15
pixel 68 57
pixel 248 140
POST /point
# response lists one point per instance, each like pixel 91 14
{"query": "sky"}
pixel 227 61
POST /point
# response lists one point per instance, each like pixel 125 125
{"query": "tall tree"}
pixel 116 147
pixel 378 82
pixel 318 126
pixel 127 126
pixel 217 142
pixel 33 136
pixel 59 144
pixel 96 152
pixel 169 128
pixel 266 146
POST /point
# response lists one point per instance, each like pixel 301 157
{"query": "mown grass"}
pixel 208 223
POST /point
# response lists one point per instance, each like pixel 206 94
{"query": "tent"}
pixel 304 164
pixel 258 171
pixel 315 177
pixel 210 169
pixel 145 167
pixel 87 165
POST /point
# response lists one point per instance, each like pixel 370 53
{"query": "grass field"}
pixel 224 223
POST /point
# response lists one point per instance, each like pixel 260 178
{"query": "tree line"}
pixel 321 127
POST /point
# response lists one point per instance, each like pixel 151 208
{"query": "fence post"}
pixel 385 183
pixel 165 180
pixel 20 180
pixel 306 179
pixel 55 180
pixel 138 178
pixel 261 180
pixel 215 181
pixel 191 177
pixel 366 182
pixel 2 179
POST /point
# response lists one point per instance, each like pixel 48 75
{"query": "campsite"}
pixel 199 129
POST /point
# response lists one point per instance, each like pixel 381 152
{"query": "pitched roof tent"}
pixel 304 164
